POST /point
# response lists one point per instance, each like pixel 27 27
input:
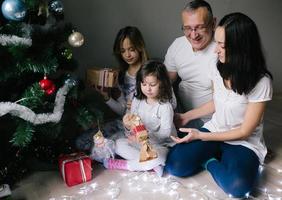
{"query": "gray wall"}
pixel 160 22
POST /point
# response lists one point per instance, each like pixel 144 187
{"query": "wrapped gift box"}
pixel 140 132
pixel 147 152
pixel 104 77
pixel 75 168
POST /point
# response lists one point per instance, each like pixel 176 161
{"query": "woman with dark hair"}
pixel 231 145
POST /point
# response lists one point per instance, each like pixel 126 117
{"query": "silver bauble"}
pixel 56 7
pixel 76 39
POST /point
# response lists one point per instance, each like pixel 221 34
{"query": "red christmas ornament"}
pixel 47 85
pixel 51 90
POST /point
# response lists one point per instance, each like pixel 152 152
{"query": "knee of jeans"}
pixel 238 188
pixel 179 169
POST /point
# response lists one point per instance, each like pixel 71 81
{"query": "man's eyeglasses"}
pixel 198 29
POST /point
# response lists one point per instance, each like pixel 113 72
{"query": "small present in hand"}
pixel 103 77
pixel 147 152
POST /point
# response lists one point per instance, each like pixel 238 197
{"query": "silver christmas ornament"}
pixel 76 39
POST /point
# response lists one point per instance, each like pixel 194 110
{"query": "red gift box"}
pixel 75 168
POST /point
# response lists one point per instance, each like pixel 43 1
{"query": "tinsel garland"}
pixel 28 115
pixel 14 40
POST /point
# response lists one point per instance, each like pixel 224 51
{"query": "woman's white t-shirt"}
pixel 230 109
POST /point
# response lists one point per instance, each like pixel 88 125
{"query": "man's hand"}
pixel 180 120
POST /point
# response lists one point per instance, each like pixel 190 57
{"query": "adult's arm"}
pixel 252 118
pixel 180 119
pixel 118 106
pixel 172 76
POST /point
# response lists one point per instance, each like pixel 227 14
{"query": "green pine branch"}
pixel 23 135
pixel 18 51
pixel 45 63
pixel 45 132
pixel 32 66
pixel 13 28
pixel 33 96
pixel 85 118
pixel 5 75
pixel 32 4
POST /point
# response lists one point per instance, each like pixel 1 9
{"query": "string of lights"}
pixel 147 184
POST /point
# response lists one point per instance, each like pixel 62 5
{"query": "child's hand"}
pixel 127 120
pixel 105 92
pixel 128 104
pixel 132 138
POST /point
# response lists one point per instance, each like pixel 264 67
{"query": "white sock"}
pixel 159 170
pixel 5 190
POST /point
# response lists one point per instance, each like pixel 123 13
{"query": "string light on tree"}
pixel 67 53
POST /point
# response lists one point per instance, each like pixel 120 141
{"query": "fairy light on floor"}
pixel 148 183
pixel 94 186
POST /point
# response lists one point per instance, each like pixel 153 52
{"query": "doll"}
pixel 103 148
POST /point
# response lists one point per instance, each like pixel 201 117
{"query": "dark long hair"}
pixel 136 39
pixel 157 69
pixel 244 60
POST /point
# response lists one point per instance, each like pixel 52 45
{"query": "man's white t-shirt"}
pixel 193 69
pixel 230 109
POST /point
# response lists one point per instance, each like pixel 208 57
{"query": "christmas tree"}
pixel 41 104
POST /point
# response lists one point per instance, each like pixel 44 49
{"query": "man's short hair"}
pixel 195 4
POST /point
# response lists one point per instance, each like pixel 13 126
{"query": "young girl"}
pixel 129 50
pixel 152 103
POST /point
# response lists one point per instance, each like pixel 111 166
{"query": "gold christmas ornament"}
pixel 99 139
pixel 76 39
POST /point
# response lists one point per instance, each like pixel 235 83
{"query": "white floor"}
pixel 114 184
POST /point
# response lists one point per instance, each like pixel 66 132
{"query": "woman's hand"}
pixel 180 119
pixel 192 134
